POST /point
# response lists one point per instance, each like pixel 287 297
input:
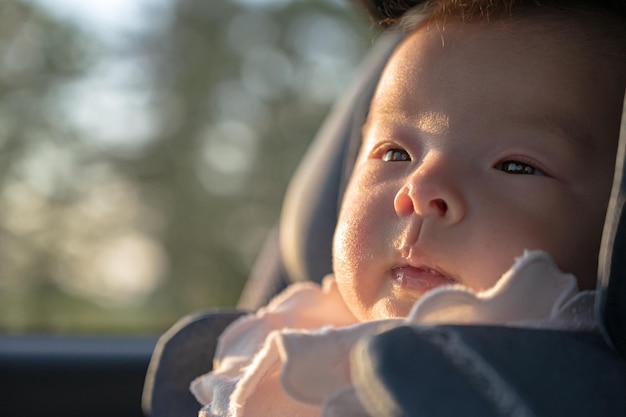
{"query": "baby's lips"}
pixel 421 278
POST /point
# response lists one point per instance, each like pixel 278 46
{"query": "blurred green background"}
pixel 145 146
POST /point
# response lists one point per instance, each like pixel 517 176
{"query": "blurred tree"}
pixel 135 201
pixel 38 56
pixel 232 89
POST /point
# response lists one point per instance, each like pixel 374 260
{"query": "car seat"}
pixel 298 249
pixel 465 370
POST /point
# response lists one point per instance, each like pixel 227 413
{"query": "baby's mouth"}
pixel 419 278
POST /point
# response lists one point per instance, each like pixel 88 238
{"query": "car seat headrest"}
pixel 313 197
pixel 611 303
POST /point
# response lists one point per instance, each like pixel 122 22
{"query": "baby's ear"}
pixel 611 302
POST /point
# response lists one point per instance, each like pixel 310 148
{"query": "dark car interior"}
pixel 146 376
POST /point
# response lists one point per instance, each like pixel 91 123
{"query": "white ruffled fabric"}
pixel 292 357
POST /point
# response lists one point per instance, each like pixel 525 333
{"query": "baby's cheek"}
pixel 355 226
pixel 351 257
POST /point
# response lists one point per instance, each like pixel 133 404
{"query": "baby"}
pixel 491 137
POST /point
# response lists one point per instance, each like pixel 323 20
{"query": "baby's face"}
pixel 480 143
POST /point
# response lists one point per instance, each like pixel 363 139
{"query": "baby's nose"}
pixel 431 192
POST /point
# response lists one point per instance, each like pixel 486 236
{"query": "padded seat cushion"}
pixel 489 372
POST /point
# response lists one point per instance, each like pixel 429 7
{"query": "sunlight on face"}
pixel 476 148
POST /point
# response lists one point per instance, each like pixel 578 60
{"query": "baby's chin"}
pixel 388 308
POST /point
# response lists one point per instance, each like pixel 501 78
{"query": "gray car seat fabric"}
pixel 488 372
pixel 302 241
pixel 300 249
pixel 313 198
pixel 611 305
pixel 183 353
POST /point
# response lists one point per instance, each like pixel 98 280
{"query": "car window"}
pixel 145 146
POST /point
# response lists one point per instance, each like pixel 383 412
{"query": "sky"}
pixel 104 90
pixel 106 16
pixel 102 16
pixel 109 110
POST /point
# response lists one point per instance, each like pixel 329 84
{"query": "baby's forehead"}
pixel 578 33
pixel 540 79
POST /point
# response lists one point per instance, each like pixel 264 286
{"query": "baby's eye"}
pixel 517 167
pixel 395 155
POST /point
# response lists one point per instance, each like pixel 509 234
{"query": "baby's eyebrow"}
pixel 431 122
pixel 564 125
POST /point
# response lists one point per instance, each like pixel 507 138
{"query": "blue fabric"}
pixel 489 372
pixel 183 353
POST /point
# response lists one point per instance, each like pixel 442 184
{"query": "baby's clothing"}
pixel 292 357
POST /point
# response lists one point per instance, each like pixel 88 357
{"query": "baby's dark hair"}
pixel 389 12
